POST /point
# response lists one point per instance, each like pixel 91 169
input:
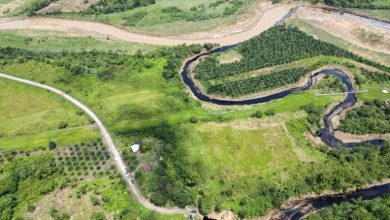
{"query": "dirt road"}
pixel 87 28
pixel 108 141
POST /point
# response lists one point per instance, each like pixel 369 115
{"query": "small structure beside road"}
pixel 136 148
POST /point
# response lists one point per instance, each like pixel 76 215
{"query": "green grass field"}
pixel 57 42
pixel 30 118
pixel 226 147
pixel 155 19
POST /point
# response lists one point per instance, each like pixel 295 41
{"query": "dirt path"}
pixel 108 141
pixel 88 28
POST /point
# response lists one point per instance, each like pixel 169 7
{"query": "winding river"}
pixel 326 133
pixel 304 206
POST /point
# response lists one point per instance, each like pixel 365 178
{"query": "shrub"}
pixel 98 216
pixel 257 114
pixel 270 112
pixel 62 125
pixel 52 145
pixel 194 119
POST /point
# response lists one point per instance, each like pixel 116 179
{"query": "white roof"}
pixel 135 147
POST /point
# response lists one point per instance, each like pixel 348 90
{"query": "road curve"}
pixel 268 18
pixel 108 141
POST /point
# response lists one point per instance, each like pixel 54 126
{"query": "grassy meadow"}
pixel 163 17
pixel 58 41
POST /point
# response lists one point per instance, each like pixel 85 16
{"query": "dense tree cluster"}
pixel 278 45
pixel 371 118
pixel 314 115
pixel 36 168
pixel 378 208
pixel 364 4
pixel 111 6
pixel 375 76
pixel 103 65
pixel 258 83
pixel 330 84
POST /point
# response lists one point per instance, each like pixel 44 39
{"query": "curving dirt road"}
pixel 268 18
pixel 109 142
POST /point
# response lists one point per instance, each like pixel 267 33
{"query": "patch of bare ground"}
pixel 67 6
pixel 349 28
pixel 65 201
pixel 224 215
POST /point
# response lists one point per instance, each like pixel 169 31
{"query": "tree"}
pixel 257 114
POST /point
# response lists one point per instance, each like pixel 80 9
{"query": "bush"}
pixel 98 216
pixel 30 208
pixel 94 200
pixel 52 145
pixel 207 205
pixel 62 125
pixel 270 112
pixel 194 119
pixel 257 114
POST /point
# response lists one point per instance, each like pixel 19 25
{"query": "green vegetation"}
pixel 31 110
pixel 370 209
pixel 373 118
pixel 259 83
pixel 366 4
pixel 56 42
pixel 378 77
pixel 111 6
pixel 163 17
pixel 275 46
pixel 278 45
pixel 220 174
pixel 25 180
pixel 314 116
pixel 36 5
pixel 247 159
pixel 329 84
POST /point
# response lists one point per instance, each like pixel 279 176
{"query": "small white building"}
pixel 135 148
